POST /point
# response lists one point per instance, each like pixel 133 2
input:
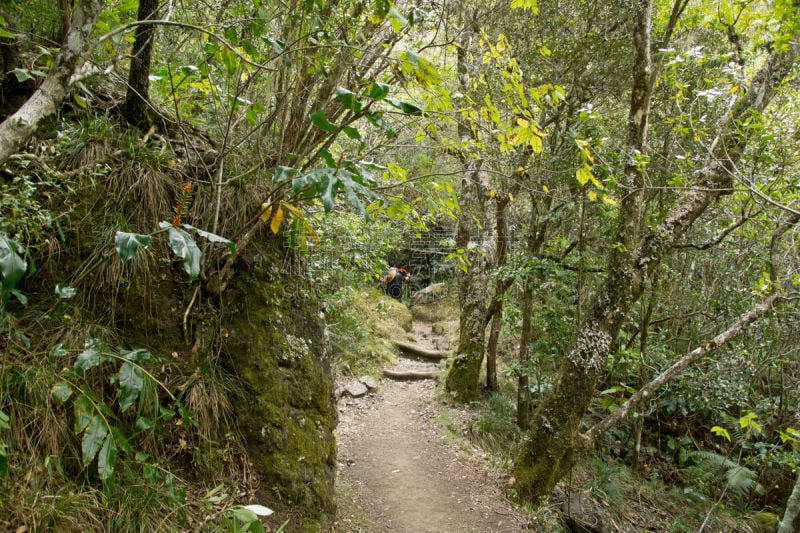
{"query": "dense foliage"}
pixel 183 188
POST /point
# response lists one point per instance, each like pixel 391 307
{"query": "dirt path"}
pixel 400 470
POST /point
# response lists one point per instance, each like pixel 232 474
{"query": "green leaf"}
pixel 22 74
pixel 277 45
pixel 129 243
pixel 378 91
pixel 12 266
pixel 184 247
pixel 83 409
pixel 143 424
pixel 93 438
pixel 131 381
pixel 246 516
pixel 327 182
pixel 65 292
pixel 376 119
pixel 120 440
pixel 721 432
pixel 212 237
pixel 348 99
pixel 107 458
pixel 405 107
pixel 91 356
pixel 319 119
pixel 352 133
pixel 61 392
pixel 282 174
pixel 396 19
pixel 137 355
pixel 58 350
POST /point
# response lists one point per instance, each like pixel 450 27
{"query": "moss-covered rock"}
pixel 277 345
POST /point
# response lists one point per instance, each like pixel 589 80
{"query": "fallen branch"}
pixel 408 374
pixel 419 351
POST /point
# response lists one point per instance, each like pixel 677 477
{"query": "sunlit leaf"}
pixel 277 220
pixel 721 432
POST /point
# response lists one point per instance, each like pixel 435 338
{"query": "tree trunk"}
pixel 136 108
pixel 19 127
pixel 464 374
pixel 523 381
pixel 792 510
pixel 549 452
pixel 501 286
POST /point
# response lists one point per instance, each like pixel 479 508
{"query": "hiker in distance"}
pixel 393 281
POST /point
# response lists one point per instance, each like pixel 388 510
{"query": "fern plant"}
pixel 738 478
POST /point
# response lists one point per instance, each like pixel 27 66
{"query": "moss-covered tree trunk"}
pixel 463 377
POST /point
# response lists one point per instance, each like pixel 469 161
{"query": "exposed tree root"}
pixel 409 374
pixel 419 351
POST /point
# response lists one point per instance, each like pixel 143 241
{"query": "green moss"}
pixel 277 346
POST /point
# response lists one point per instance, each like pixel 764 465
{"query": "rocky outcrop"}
pixel 278 346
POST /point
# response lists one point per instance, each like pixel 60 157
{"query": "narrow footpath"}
pixel 404 465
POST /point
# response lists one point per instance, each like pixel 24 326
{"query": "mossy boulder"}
pixel 277 345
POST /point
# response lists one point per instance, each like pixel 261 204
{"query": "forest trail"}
pixel 400 470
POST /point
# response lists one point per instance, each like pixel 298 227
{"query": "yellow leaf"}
pixel 609 200
pixel 293 209
pixel 536 144
pixel 265 214
pixel 734 89
pixel 592 196
pixel 311 233
pixel 277 220
pixel 523 123
pixel 583 175
pixel 510 197
pixel 492 194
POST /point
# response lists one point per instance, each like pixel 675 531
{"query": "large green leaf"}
pixel 327 182
pixel 93 438
pixel 91 356
pixel 378 91
pixel 212 237
pixel 12 266
pixel 184 247
pixel 349 99
pixel 61 392
pixel 319 119
pixel 282 174
pixel 107 458
pixel 129 243
pixel 83 410
pixel 131 381
pixel 405 107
